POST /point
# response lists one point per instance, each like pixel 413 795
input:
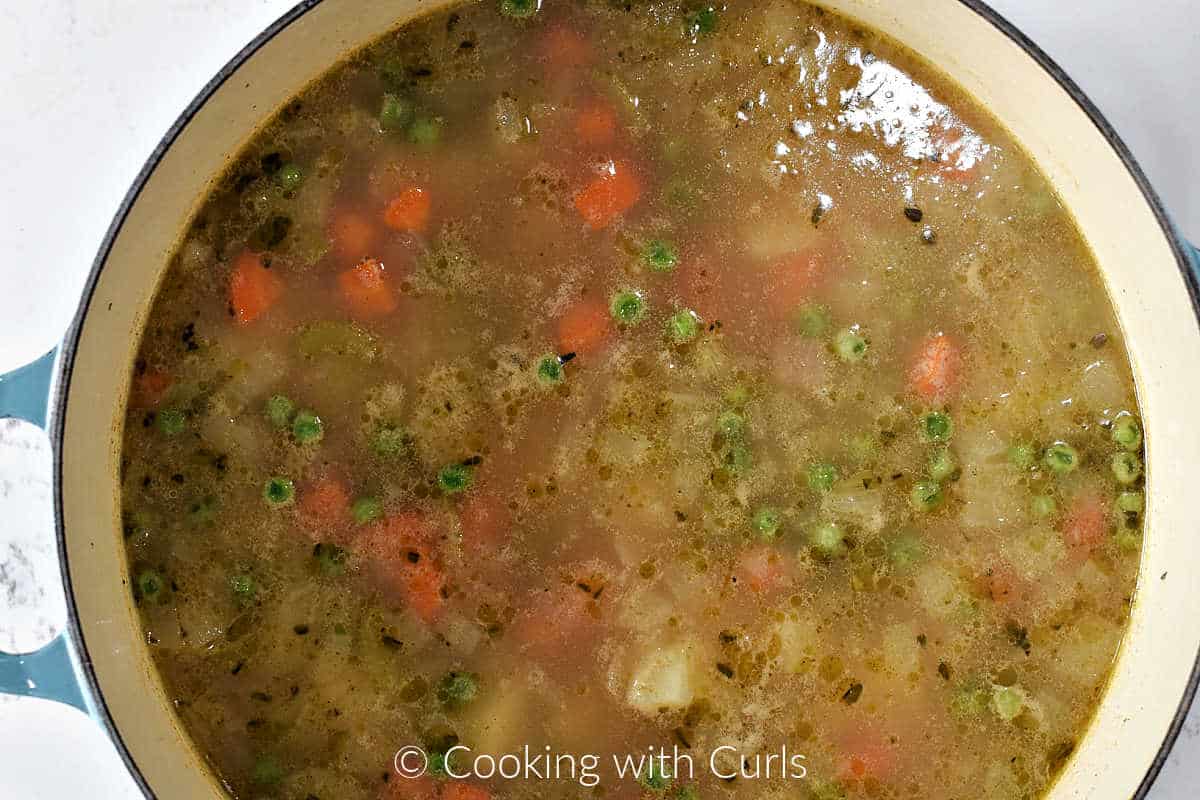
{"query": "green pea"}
pixel 1128 541
pixel 688 792
pixel 1022 455
pixel 267 772
pixel 1007 702
pixel 766 522
pixel 827 540
pixel 1131 502
pixel 396 112
pixel 702 20
pixel 1060 457
pixel 1126 467
pixel 455 478
pixel 244 589
pixel 905 550
pixel 279 492
pixel 390 441
pixel 970 700
pixel 550 370
pixel 279 411
pixel 941 464
pixel 683 326
pixel 307 427
pixel 936 427
pixel 738 459
pixel 653 779
pixel 1043 505
pixel 813 321
pixel 519 9
pixel 849 345
pixel 822 476
pixel 863 447
pixel 628 307
pixel 330 558
pixel 926 495
pixel 203 511
pixel 1126 432
pixel 170 421
pixel 731 424
pixel 457 690
pixel 366 510
pixel 660 256
pixel 149 583
pixel 289 177
pixel 738 396
pixel 425 131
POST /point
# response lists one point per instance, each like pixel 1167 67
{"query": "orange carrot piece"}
pixel 150 387
pixel 596 125
pixel 353 235
pixel 761 569
pixel 584 328
pixel 366 290
pixel 253 288
pixel 398 550
pixel 867 755
pixel 934 374
pixel 791 281
pixel 609 196
pixel 555 621
pixel 563 47
pixel 1000 584
pixel 400 788
pixel 457 790
pixel 408 211
pixel 326 501
pixel 952 149
pixel 1086 522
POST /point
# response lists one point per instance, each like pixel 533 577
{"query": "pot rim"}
pixel 70 342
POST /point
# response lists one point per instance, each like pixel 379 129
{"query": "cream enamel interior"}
pixel 1139 268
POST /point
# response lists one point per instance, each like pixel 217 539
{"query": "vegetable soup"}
pixel 602 377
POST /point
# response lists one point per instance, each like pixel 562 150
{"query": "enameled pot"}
pixel 101 664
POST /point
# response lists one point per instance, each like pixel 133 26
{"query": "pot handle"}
pixel 48 673
pixel 25 392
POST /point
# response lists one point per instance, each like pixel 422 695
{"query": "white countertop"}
pixel 89 87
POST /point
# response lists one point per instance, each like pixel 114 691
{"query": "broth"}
pixel 600 377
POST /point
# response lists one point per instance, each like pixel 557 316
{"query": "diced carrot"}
pixel 484 520
pixel 934 374
pixel 596 125
pixel 325 502
pixel 366 290
pixel 867 755
pixel 353 235
pixel 150 387
pixel 1086 522
pixel 401 788
pixel 399 551
pixel 1000 584
pixel 253 288
pixel 563 47
pixel 957 163
pixel 408 211
pixel 556 621
pixel 457 790
pixel 609 196
pixel 792 280
pixel 761 569
pixel 584 328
